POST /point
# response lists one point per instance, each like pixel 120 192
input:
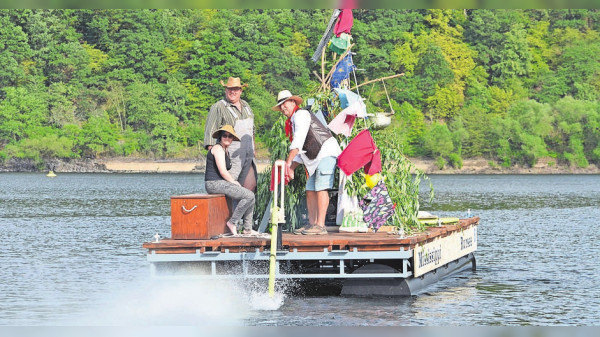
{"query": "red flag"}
pixel 361 152
pixel 344 23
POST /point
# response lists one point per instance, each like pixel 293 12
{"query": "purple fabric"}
pixel 380 208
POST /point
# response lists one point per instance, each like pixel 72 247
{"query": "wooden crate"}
pixel 199 216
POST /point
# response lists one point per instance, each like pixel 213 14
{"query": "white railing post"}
pixel 277 217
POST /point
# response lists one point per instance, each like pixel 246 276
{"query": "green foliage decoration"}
pixel 402 180
pixel 295 205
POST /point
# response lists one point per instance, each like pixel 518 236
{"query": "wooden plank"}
pixel 380 248
pixel 174 251
pixel 198 196
pixel 313 243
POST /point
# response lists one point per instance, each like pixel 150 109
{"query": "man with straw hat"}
pixel 315 147
pixel 234 111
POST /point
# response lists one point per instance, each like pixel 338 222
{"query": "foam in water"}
pixel 263 301
pixel 183 301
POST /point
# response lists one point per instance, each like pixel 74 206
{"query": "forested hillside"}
pixel 511 86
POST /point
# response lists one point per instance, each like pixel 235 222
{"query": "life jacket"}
pixel 316 136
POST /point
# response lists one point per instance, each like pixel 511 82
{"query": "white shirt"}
pixel 300 125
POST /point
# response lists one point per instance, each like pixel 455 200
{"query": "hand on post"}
pixel 288 171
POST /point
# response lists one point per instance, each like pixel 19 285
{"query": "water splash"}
pixel 173 302
pixel 263 301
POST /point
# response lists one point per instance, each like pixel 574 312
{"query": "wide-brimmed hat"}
pixel 283 96
pixel 234 82
pixel 227 128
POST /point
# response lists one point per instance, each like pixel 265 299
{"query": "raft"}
pixel 360 264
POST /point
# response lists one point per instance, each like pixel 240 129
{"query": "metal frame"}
pixel 338 257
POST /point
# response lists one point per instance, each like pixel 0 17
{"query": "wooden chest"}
pixel 199 216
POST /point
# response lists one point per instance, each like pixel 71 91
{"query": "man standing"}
pixel 235 111
pixel 315 147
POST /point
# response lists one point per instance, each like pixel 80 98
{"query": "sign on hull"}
pixel 440 251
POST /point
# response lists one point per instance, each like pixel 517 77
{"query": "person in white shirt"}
pixel 314 146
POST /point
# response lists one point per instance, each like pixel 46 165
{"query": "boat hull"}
pixel 409 286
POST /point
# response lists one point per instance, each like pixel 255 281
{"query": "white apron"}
pixel 242 152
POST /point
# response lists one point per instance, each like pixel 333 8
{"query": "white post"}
pixel 277 216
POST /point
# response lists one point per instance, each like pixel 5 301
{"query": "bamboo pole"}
pixel 273 255
pixel 377 79
pixel 388 96
pixel 323 67
pixel 273 250
pixel 318 77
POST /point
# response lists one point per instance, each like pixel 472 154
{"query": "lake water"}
pixel 72 255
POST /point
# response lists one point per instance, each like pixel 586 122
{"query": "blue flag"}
pixel 342 71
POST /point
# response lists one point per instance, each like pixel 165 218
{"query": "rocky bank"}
pixel 126 165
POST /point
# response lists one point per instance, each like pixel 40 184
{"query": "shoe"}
pixel 298 231
pixel 250 232
pixel 315 230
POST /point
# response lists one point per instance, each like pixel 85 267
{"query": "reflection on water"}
pixel 72 255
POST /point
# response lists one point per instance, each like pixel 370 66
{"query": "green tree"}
pixel 43 147
pixel 142 102
pixel 55 45
pixel 576 127
pixel 519 138
pixel 165 134
pixel 500 39
pixel 580 66
pixel 97 137
pixel 14 50
pixel 433 71
pixel 20 111
pixel 438 141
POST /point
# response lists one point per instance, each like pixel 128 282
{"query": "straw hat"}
pixel 227 128
pixel 234 82
pixel 283 96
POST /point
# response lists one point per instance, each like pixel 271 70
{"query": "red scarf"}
pixel 288 125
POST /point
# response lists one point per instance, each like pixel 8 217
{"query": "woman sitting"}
pixel 218 180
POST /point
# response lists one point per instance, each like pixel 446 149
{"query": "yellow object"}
pixel 51 174
pixel 372 180
pixel 440 221
pixel 272 257
pixel 274 214
pixel 273 254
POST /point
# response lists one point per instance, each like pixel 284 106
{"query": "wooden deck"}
pixel 309 243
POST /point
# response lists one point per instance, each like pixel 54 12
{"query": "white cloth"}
pixel 242 152
pixel 344 121
pixel 345 203
pixel 300 124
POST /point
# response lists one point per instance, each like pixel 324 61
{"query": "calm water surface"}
pixel 72 255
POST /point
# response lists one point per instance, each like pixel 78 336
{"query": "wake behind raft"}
pixel 348 264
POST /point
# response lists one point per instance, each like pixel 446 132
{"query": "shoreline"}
pixel 125 165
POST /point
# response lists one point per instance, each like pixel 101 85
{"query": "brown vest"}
pixel 317 135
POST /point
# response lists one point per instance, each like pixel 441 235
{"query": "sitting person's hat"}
pixel 227 128
pixel 283 96
pixel 234 82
